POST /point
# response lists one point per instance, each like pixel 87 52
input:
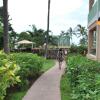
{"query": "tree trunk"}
pixel 5 20
pixel 47 34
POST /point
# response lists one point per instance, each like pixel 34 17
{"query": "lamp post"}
pixel 47 33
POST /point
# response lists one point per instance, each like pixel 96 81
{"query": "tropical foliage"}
pixel 84 77
pixel 1 28
pixel 39 36
pixel 12 34
pixel 8 74
pixel 82 49
pixel 30 64
pixel 79 31
pixel 82 33
pixel 19 69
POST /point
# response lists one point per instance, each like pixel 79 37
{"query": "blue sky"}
pixel 64 14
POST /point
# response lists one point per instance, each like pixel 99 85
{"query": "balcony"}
pixel 92 13
pixel 92 16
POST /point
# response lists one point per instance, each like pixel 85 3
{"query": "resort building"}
pixel 94 30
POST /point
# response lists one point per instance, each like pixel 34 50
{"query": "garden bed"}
pixel 82 78
pixel 19 93
pixel 18 71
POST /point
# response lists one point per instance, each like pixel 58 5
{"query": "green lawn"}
pixel 48 64
pixel 19 95
pixel 65 88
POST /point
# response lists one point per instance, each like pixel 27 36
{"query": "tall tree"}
pixel 1 34
pixel 47 35
pixel 69 33
pixel 24 36
pixel 5 21
pixel 82 33
pixel 64 38
pixel 1 27
pixel 53 40
pixel 13 37
pixel 33 31
pixel 38 35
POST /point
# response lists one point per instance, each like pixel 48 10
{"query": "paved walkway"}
pixel 47 87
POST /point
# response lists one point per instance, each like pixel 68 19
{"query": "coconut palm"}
pixel 81 30
pixel 33 31
pixel 47 35
pixel 82 33
pixel 5 21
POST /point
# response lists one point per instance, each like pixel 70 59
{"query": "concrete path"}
pixel 47 87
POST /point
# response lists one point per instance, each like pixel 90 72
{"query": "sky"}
pixel 64 14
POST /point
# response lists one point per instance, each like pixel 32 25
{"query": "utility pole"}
pixel 47 33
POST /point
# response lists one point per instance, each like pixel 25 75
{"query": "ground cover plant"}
pixel 18 71
pixel 48 64
pixel 31 67
pixel 65 88
pixel 20 94
pixel 84 78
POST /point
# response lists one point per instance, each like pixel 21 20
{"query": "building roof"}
pixel 25 42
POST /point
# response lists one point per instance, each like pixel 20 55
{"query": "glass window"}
pixel 93 45
pixel 94 2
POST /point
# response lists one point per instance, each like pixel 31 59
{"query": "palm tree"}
pixel 5 21
pixel 37 35
pixel 33 31
pixel 47 33
pixel 67 36
pixel 82 32
pixel 70 33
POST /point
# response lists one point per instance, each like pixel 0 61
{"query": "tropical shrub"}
pixel 30 65
pixel 8 76
pixel 73 49
pixel 78 49
pixel 82 49
pixel 2 55
pixel 84 77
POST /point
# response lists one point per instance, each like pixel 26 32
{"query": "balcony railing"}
pixel 99 4
pixel 92 12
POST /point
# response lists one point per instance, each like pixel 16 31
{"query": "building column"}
pixel 98 43
pixel 90 41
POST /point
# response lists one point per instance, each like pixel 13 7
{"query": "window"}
pixel 93 42
pixel 94 2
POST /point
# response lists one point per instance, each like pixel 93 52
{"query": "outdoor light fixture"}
pixel 98 22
